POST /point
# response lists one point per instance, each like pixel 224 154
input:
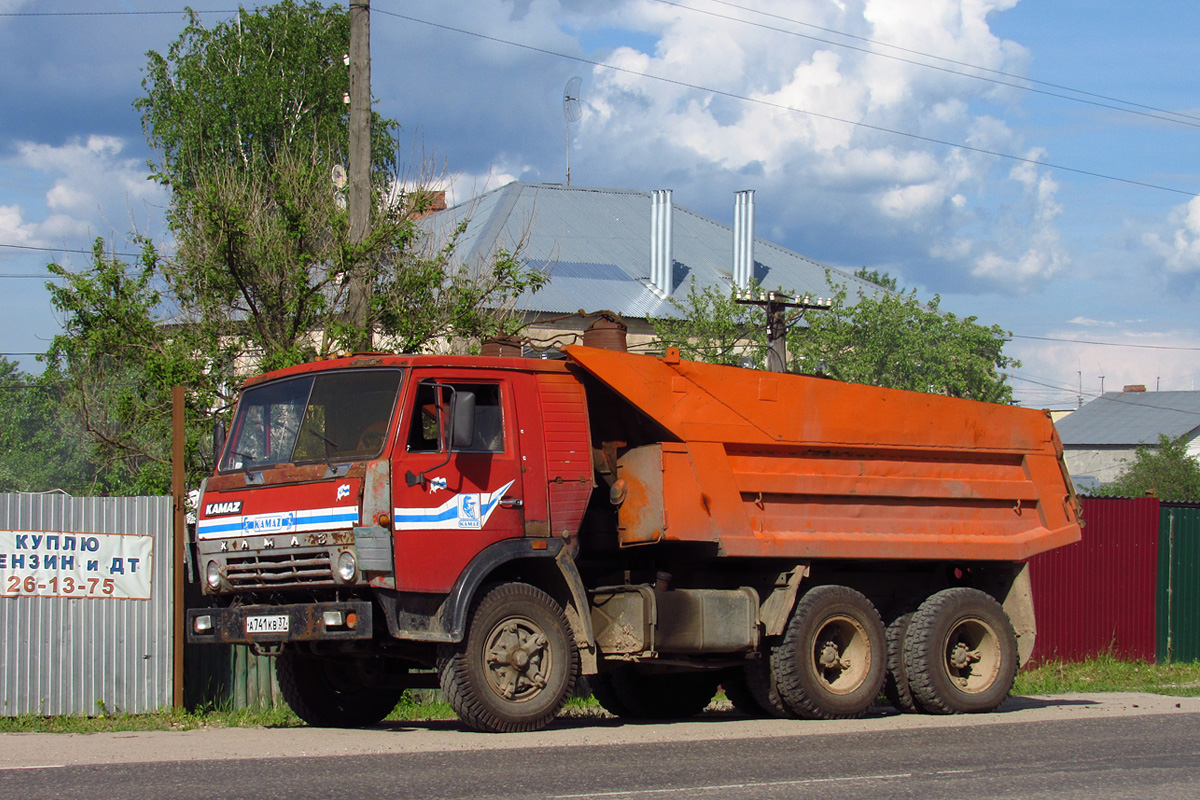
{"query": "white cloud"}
pixel 1073 362
pixel 800 142
pixel 14 229
pixel 1178 246
pixel 91 184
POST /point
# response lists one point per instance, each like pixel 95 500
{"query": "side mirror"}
pixel 462 420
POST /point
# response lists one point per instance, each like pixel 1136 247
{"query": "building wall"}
pixel 1103 464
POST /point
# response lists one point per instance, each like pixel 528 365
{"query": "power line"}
pixel 112 13
pixel 794 109
pixel 1127 106
pixel 1107 344
pixel 1195 121
pixel 66 250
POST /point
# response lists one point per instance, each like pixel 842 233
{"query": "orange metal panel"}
pixel 800 467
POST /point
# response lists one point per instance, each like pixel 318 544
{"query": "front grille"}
pixel 280 570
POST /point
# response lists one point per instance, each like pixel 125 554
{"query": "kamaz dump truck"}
pixel 500 526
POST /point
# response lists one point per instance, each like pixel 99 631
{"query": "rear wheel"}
pixel 832 660
pixel 961 653
pixel 896 686
pixel 760 679
pixel 517 664
pixel 330 693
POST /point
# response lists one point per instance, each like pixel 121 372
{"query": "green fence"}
pixel 227 677
pixel 1178 599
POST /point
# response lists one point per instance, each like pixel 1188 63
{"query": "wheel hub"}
pixel 972 655
pixel 517 659
pixel 841 655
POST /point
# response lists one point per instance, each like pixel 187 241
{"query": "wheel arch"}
pixel 549 567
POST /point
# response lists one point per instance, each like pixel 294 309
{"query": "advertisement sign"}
pixel 102 566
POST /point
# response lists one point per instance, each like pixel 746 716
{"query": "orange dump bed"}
pixel 767 464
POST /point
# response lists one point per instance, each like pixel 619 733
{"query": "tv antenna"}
pixel 572 111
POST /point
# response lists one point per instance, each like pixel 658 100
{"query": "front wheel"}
pixel 517 664
pixel 832 660
pixel 960 653
pixel 330 693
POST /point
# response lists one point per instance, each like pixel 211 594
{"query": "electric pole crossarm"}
pixel 776 305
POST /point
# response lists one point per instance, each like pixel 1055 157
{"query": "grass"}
pixel 1108 674
pixel 1104 674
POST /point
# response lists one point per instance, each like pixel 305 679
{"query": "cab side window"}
pixel 431 413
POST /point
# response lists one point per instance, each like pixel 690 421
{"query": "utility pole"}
pixel 358 296
pixel 776 305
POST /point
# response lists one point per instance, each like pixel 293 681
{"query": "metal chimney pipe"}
pixel 661 246
pixel 743 238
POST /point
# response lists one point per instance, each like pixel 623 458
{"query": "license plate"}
pixel 268 624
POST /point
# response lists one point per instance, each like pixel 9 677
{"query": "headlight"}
pixel 213 574
pixel 346 566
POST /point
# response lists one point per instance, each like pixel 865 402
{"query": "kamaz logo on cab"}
pixel 268 524
pixel 219 509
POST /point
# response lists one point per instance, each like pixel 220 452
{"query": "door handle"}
pixel 512 502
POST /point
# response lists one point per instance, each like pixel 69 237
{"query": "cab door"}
pixel 453 499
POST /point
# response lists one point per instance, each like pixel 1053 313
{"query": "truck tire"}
pixel 833 657
pixel 896 686
pixel 961 653
pixel 517 664
pixel 656 695
pixel 760 678
pixel 324 693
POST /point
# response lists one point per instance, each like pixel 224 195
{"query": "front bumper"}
pixel 291 623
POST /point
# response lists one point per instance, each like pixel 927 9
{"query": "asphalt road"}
pixel 1061 748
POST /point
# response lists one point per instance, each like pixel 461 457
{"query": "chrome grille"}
pixel 279 570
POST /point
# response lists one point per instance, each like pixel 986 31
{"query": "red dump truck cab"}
pixel 498 526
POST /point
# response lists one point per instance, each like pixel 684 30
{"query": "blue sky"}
pixel 1095 276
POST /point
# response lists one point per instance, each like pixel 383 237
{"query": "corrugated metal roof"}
pixel 596 245
pixel 1132 418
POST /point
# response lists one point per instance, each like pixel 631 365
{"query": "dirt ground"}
pixel 32 750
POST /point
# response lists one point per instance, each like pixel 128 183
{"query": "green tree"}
pixel 887 339
pixel 247 123
pixel 1165 471
pixel 237 92
pixel 41 447
pixel 116 363
pixel 892 339
pixel 713 327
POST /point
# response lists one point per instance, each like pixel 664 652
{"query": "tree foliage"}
pixel 887 339
pixel 41 447
pixel 892 339
pixel 116 364
pixel 1165 471
pixel 247 122
pixel 234 94
pixel 714 328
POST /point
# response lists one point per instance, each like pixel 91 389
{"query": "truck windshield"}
pixel 325 417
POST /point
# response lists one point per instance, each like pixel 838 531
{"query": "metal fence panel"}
pixel 1179 584
pixel 226 677
pixel 1098 595
pixel 73 655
